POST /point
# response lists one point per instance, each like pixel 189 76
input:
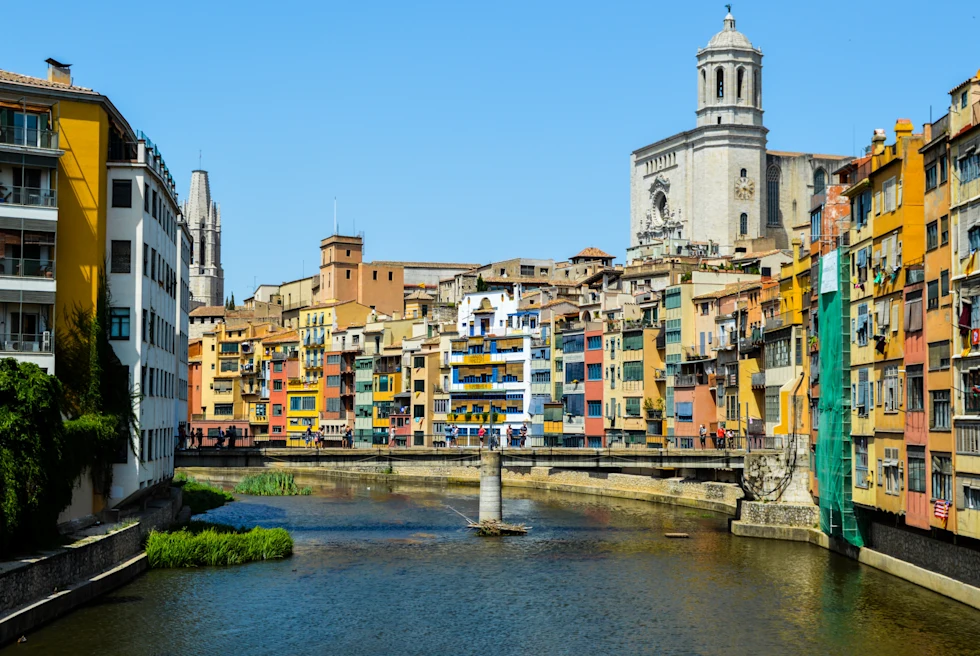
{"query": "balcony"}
pixel 25 268
pixel 28 137
pixel 685 380
pixel 756 426
pixel 26 343
pixel 660 375
pixel 28 196
pixel 759 380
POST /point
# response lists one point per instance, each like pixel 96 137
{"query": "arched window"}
pixel 743 224
pixel 756 89
pixel 743 173
pixel 772 197
pixel 720 82
pixel 740 84
pixel 819 183
pixel 704 86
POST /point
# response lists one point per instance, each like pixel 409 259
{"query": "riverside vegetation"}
pixel 200 496
pixel 271 484
pixel 203 543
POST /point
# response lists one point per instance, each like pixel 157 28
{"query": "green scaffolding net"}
pixel 834 426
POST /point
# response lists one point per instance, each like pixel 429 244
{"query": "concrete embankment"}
pixel 717 497
pixel 38 589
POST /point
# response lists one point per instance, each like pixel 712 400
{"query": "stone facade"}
pixel 956 562
pixel 779 514
pixel 203 217
pixel 717 183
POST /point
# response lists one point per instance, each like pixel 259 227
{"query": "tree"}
pixel 481 285
pixel 230 303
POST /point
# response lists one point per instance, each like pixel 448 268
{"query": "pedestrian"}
pixel 200 437
pixel 221 437
pixel 720 437
pixel 523 433
pixel 731 438
pixel 181 438
pixel 391 437
pixel 703 434
pixel 482 432
pixel 510 436
pixel 455 436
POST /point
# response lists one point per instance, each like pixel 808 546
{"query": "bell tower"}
pixel 729 79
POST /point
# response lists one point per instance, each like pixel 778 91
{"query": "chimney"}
pixel 58 72
pixel 903 128
pixel 878 142
pixel 927 132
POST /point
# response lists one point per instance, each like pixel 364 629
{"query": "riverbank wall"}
pixel 716 497
pixel 38 589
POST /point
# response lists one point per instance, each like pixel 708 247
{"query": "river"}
pixel 392 571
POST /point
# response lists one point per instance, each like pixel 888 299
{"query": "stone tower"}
pixel 203 217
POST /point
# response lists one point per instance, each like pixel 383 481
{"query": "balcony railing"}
pixel 18 135
pixel 31 196
pixel 685 380
pixel 26 343
pixel 756 426
pixel 26 268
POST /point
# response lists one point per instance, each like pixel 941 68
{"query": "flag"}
pixel 942 509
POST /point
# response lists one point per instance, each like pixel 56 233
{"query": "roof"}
pixel 729 37
pixel 744 257
pixel 728 290
pixel 426 265
pixel 208 311
pixel 789 153
pixel 965 82
pixel 557 301
pixel 329 304
pixel 281 338
pixel 26 80
pixel 419 295
pixel 594 252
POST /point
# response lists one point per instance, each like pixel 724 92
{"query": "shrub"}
pixel 270 484
pixel 201 497
pixel 208 544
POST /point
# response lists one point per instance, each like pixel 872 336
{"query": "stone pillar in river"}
pixel 490 496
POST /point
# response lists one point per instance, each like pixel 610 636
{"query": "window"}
pixel 892 471
pixel 633 407
pixel 863 325
pixel 155 204
pixel 891 385
pixel 944 282
pixel 418 385
pixel 913 312
pixel 778 354
pixel 971 495
pixel 277 367
pixel 861 462
pixel 122 193
pixel 277 386
pixel 633 342
pixel 632 371
pixel 740 83
pixel 963 100
pixel 302 403
pixel 931 178
pixel 917 468
pixel 889 189
pixel 939 410
pixel 573 344
pixel 969 168
pixel 595 408
pixel 574 371
pixel 932 295
pixel 772 197
pixel 333 381
pixel 861 209
pixel 819 182
pixel 121 257
pixel 118 323
pixel 595 371
pixel 944 230
pixel 938 356
pixel 348 274
pixel 720 83
pixel 224 409
pixel 595 343
pixel 418 410
pixel 772 405
pixel 942 477
pixel 527 270
pixel 276 409
pixel 390 276
pixel 743 224
pixel 943 166
pixel 685 411
pixel 932 236
pixel 916 395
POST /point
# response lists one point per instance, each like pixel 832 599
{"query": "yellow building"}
pixel 794 287
pixel 897 184
pixel 316 326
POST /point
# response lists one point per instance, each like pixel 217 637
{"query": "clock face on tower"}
pixel 744 188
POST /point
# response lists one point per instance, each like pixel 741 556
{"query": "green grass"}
pixel 270 484
pixel 201 497
pixel 202 543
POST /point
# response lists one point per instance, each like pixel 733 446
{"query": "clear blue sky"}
pixel 467 131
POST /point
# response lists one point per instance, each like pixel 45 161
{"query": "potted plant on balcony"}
pixel 651 409
pixel 468 416
pixel 496 417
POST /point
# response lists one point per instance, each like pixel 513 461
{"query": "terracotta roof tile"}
pixel 26 80
pixel 282 338
pixel 209 311
pixel 592 251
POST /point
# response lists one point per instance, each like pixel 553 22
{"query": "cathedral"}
pixel 716 189
pixel 203 217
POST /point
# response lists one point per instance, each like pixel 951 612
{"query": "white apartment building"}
pixel 149 256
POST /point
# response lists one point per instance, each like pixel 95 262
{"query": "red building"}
pixel 594 430
pixel 285 363
pixel 917 508
pixel 694 404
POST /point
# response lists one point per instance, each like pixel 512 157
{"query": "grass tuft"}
pixel 202 543
pixel 201 497
pixel 271 484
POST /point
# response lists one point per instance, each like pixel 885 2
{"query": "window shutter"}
pixel 894 321
pixel 960 494
pixel 901 474
pixel 880 471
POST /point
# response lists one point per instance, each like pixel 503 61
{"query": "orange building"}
pixel 193 377
pixel 344 276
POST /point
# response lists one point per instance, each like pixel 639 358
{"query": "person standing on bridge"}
pixel 703 434
pixel 482 433
pixel 523 433
pixel 454 436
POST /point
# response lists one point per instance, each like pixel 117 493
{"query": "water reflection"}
pixel 392 570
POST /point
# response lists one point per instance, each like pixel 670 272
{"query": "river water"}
pixel 392 571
